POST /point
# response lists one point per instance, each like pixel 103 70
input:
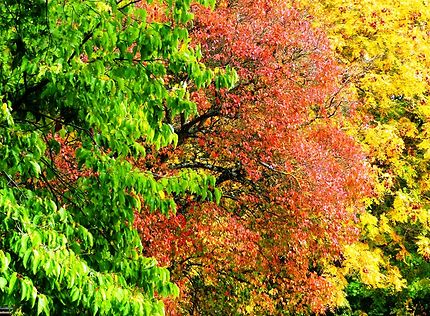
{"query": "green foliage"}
pixel 100 73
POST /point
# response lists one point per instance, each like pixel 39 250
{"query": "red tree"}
pixel 290 176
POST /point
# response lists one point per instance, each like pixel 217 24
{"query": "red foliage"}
pixel 63 165
pixel 208 241
pixel 291 177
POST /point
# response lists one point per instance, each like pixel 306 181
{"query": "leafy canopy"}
pixel 384 47
pixel 93 78
pixel 291 177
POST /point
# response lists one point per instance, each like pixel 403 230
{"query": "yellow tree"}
pixel 386 50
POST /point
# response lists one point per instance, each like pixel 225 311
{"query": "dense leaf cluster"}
pixel 122 121
pixel 102 76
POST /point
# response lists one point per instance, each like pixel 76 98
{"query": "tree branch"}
pixel 185 128
pixel 235 173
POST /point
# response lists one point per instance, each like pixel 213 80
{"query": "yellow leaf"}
pixel 162 194
pixel 423 244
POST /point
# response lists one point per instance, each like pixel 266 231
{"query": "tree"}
pixel 291 178
pixel 84 88
pixel 384 46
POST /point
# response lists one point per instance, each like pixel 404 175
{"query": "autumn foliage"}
pixel 384 49
pixel 228 157
pixel 291 178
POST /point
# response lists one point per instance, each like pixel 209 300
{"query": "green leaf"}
pixel 42 304
pixel 4 260
pixel 36 261
pixel 25 290
pixel 75 294
pixel 35 168
pixel 12 282
pixel 3 283
pixel 217 194
pixel 27 257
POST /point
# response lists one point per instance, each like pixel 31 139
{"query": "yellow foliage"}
pixel 394 279
pixel 368 219
pixel 425 110
pixel 386 39
pixel 385 47
pixel 339 282
pixel 405 127
pixel 369 223
pixel 359 259
pixel 423 216
pixel 103 7
pixel 162 194
pixel 249 309
pixel 371 267
pixel 401 208
pixel 383 143
pixel 425 145
pixel 423 244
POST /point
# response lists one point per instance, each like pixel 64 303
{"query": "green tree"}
pixel 103 76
